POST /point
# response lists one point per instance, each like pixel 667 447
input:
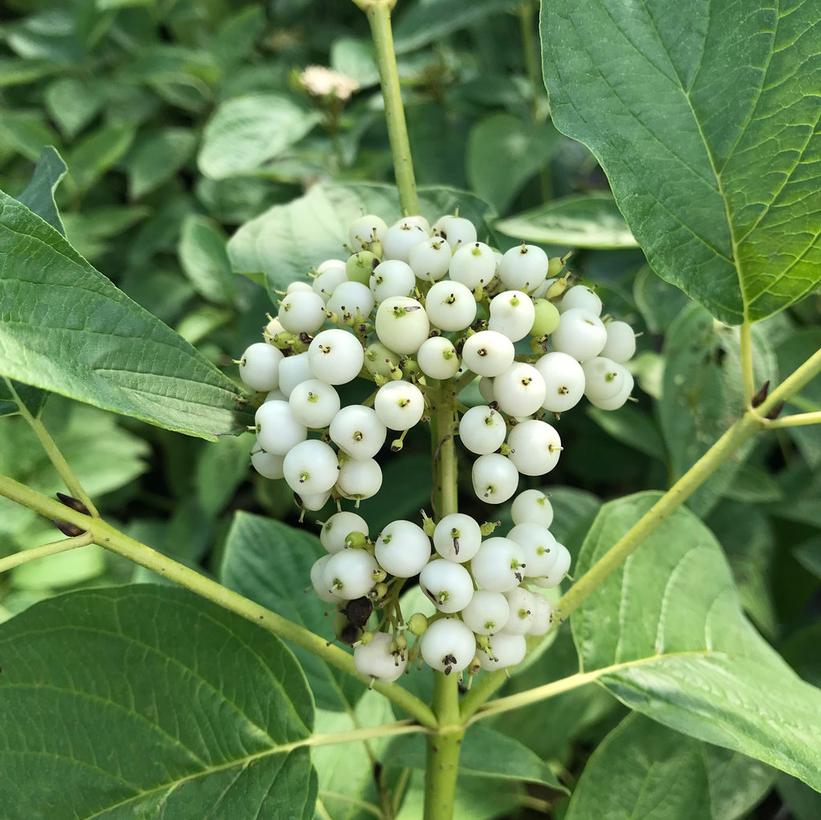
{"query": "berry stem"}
pixel 53 452
pixel 798 420
pixel 379 18
pixel 747 373
pixel 445 744
pixel 54 548
pixel 118 542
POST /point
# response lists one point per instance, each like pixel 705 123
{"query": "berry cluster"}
pixel 412 308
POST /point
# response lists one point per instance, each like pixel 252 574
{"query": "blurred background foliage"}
pixel 181 121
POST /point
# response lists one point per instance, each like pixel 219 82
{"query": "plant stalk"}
pixel 379 18
pixel 798 420
pixel 53 452
pixel 118 542
pixel 747 371
pixel 34 554
pixel 444 744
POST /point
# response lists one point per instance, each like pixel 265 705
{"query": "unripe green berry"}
pixel 554 267
pixel 356 540
pixel 379 361
pixel 547 318
pixel 359 266
pixel 417 624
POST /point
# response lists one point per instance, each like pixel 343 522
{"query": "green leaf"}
pixel 90 158
pixel 643 769
pixel 26 132
pixel 503 153
pixel 702 396
pixel 632 427
pixel 38 195
pixel 428 21
pixel 158 158
pixel 205 260
pixel 146 701
pixel 658 301
pixel 808 554
pixel 710 157
pixel 667 633
pixel 355 58
pixel 270 562
pixel 287 241
pixel 246 132
pixel 91 231
pixel 103 456
pixel 579 221
pixel 485 753
pixel 21 72
pixel 99 347
pixel 221 468
pixel 72 103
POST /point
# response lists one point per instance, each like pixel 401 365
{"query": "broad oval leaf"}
pixel 703 115
pixel 38 195
pixel 580 221
pixel 287 241
pixel 65 327
pixel 643 769
pixel 147 701
pixel 667 632
pixel 246 132
pixel 270 563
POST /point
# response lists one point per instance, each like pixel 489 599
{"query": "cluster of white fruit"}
pixel 415 303
pixel 415 308
pixel 484 589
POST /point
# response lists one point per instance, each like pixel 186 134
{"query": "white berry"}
pixel 621 342
pixel 523 267
pixel 303 311
pixel 358 431
pixel 318 581
pixel 532 507
pixel 520 390
pixel 448 584
pixel 314 501
pixel 375 659
pixel 430 259
pixel 581 296
pixel 561 565
pixel 294 370
pixel 314 403
pixel 505 651
pixel 359 479
pixel 448 646
pixel 457 230
pixel 487 612
pixel 522 609
pixel 349 574
pixel 512 313
pixel 535 447
pixel 488 353
pixel 399 405
pixel 450 306
pixel 329 280
pixel 268 465
pixel 259 367
pixel 457 537
pixel 564 381
pixel 402 324
pixel 542 615
pixel 277 428
pixel 473 265
pixel 499 566
pixel 392 278
pixel 580 334
pixel 603 378
pixel 402 549
pixel 482 430
pixel 351 300
pixel 365 230
pixel 615 402
pixel 338 527
pixel 538 547
pixel 437 358
pixel 336 356
pixel 495 478
pixel 311 467
pixel 401 237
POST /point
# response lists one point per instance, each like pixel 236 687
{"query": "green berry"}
pixel 547 318
pixel 359 267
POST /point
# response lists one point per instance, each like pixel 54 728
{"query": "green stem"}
pixel 801 376
pixel 798 420
pixel 747 372
pixel 53 452
pixel 118 542
pixel 379 18
pixel 54 548
pixel 445 743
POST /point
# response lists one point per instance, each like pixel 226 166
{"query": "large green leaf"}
pixel 158 158
pixel 247 132
pixel 287 241
pixel 643 769
pixel 579 221
pixel 503 153
pixel 64 327
pixel 485 753
pixel 145 701
pixel 270 562
pixel 667 631
pixel 703 115
pixel 702 395
pixel 38 195
pixel 204 259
